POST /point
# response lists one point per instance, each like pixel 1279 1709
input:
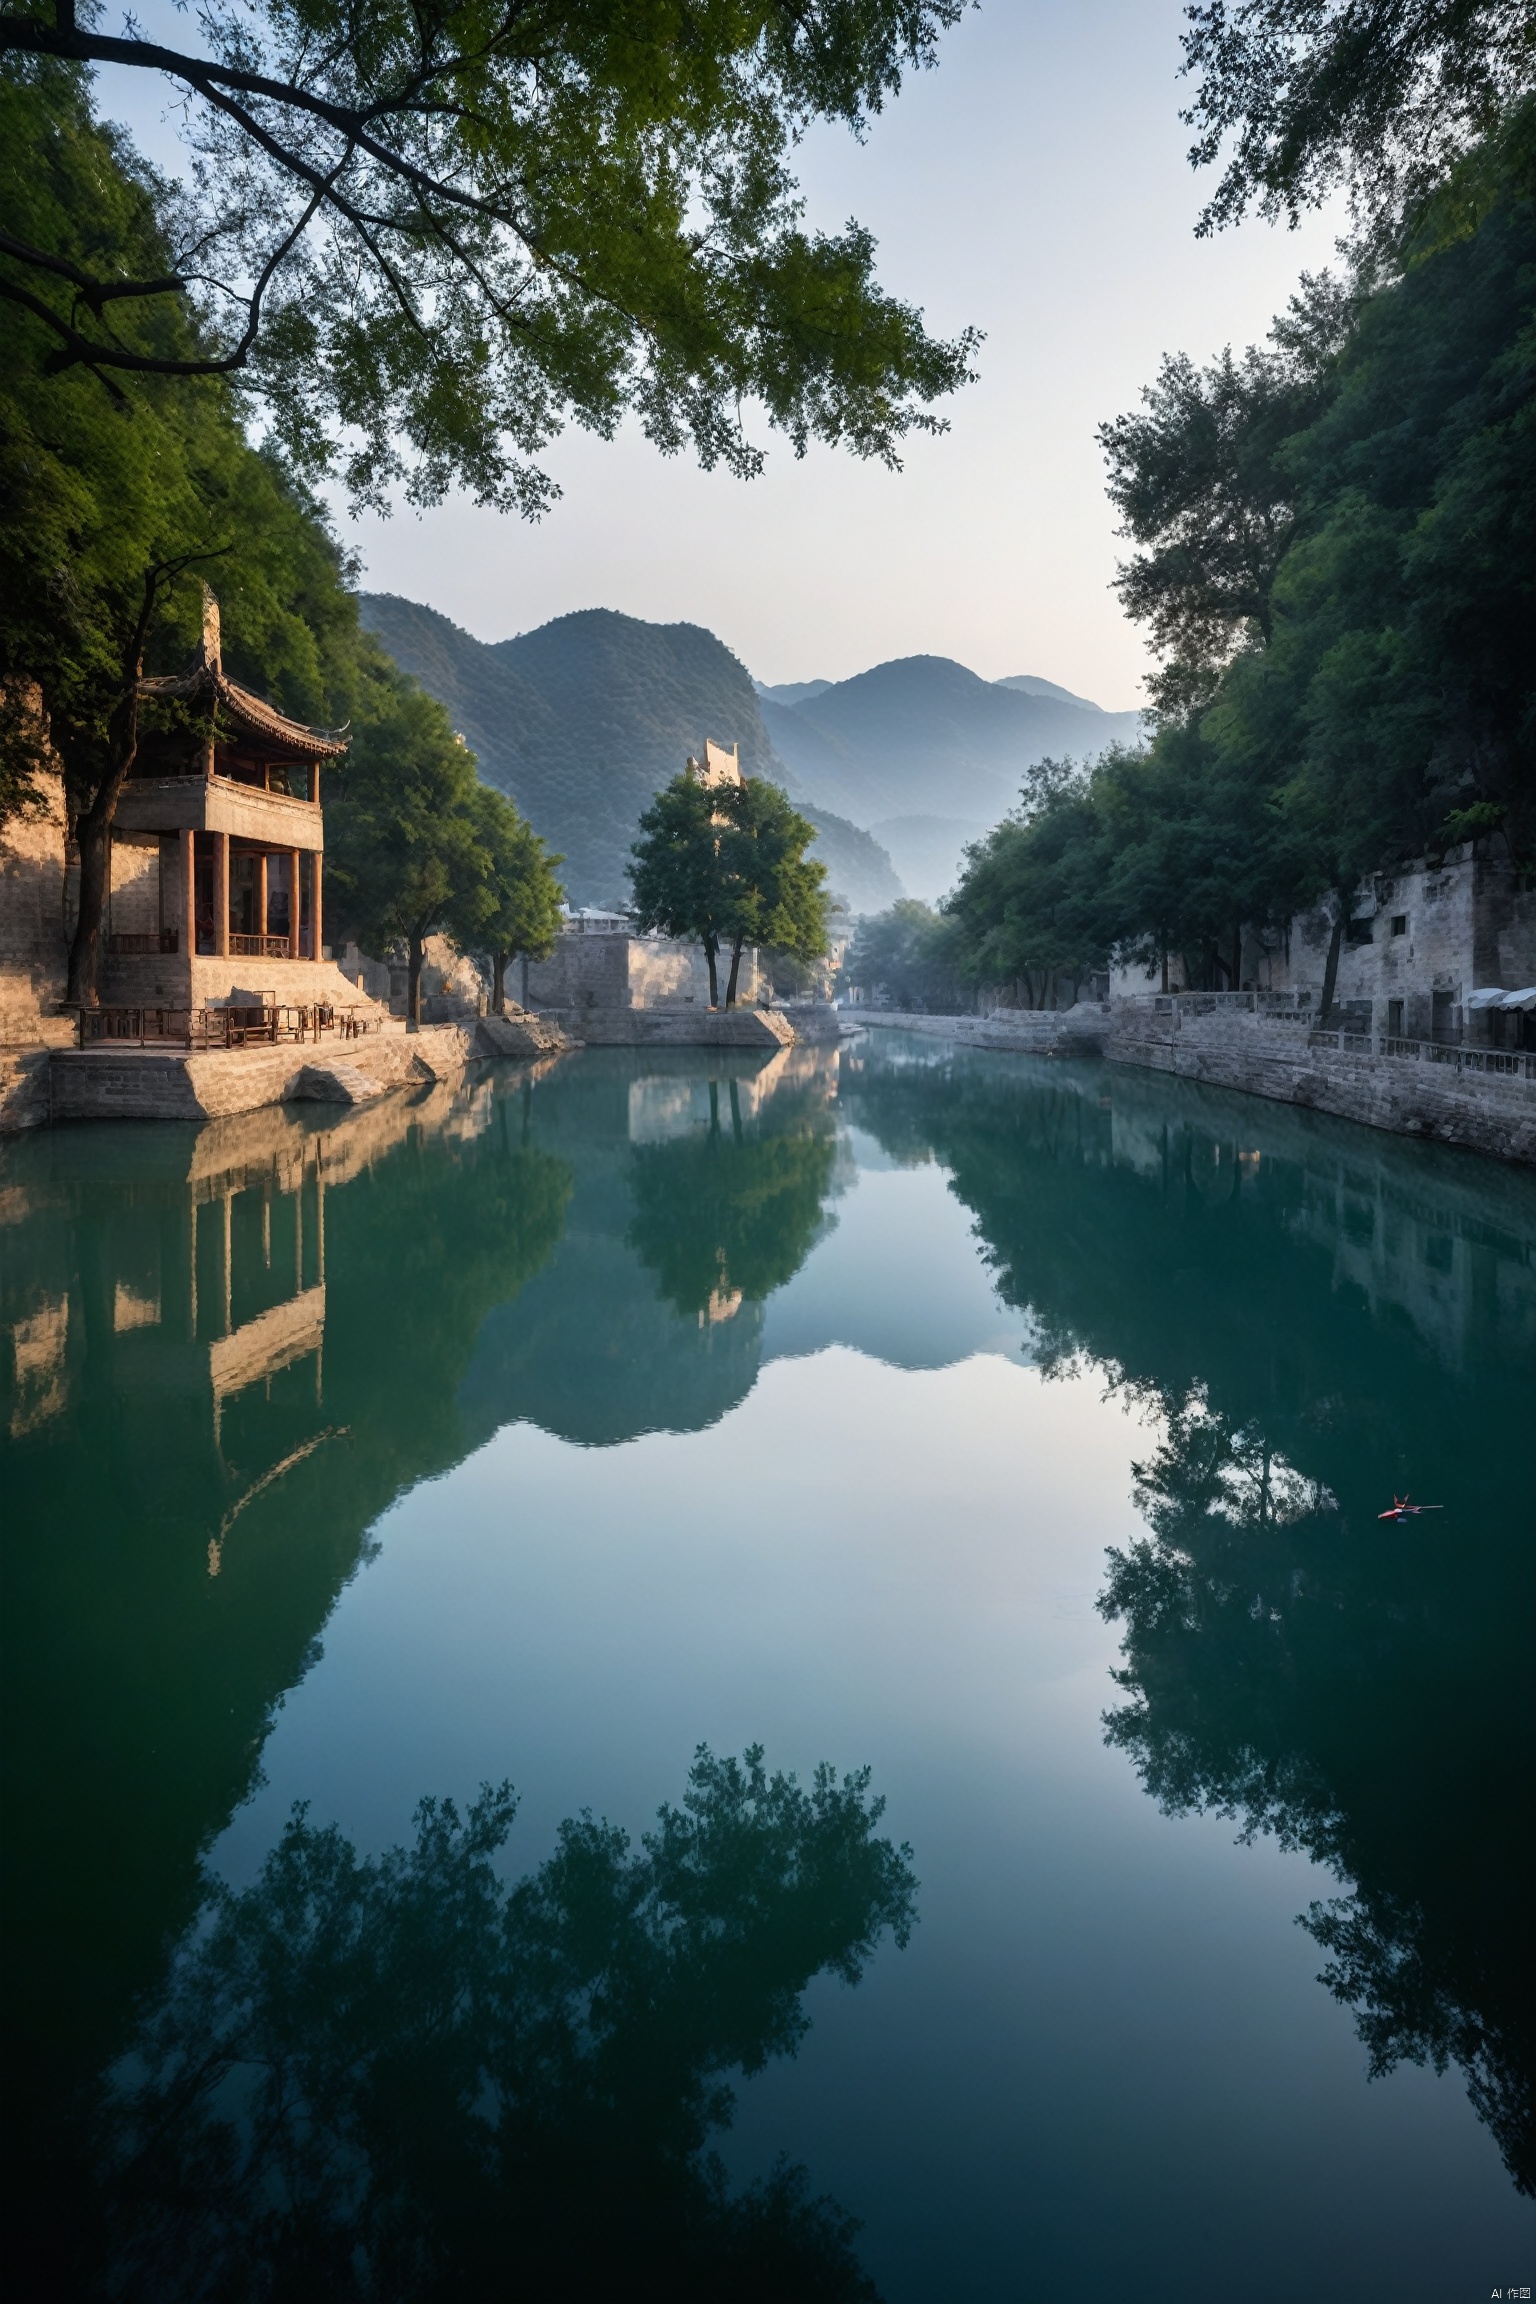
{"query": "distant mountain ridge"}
pixel 582 720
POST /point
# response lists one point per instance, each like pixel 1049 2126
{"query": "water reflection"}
pixel 1320 1318
pixel 402 2078
pixel 230 1349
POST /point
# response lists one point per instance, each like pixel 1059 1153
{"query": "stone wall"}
pixel 617 971
pixel 1079 1031
pixel 1262 1056
pixel 1418 942
pixel 171 1084
pixel 33 953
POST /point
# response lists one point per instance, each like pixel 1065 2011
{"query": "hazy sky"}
pixel 1034 184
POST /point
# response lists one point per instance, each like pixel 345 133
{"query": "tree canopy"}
pixel 519 909
pixel 427 236
pixel 1335 559
pixel 725 866
pixel 411 830
pixel 1387 99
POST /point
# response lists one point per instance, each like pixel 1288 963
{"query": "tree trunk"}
pixel 714 981
pixel 1237 957
pixel 1335 944
pixel 731 981
pixel 498 983
pixel 93 828
pixel 1165 963
pixel 413 983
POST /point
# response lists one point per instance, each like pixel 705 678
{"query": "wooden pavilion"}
pixel 219 838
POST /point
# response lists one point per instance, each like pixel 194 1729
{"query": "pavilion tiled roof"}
pixel 251 712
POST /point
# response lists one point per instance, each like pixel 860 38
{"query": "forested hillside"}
pixel 582 720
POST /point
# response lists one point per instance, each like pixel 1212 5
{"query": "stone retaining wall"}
pixel 677 1027
pixel 1079 1031
pixel 1261 1056
pixel 172 1084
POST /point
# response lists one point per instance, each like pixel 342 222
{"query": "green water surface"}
pixel 1014 1431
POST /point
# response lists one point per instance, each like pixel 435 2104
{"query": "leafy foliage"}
pixel 98 488
pixel 778 895
pixel 726 866
pixel 428 236
pixel 377 2076
pixel 902 956
pixel 409 833
pixel 1337 558
pixel 1385 99
pixel 519 910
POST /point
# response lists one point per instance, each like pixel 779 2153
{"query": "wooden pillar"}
pixel 315 936
pixel 314 782
pixel 261 893
pixel 221 894
pixel 293 903
pixel 189 892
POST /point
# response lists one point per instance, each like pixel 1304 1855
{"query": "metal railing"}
pixel 1287 1007
pixel 1508 1063
pixel 207 1028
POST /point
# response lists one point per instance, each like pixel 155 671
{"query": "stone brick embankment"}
pixel 676 1027
pixel 1079 1031
pixel 1272 1056
pixel 127 1083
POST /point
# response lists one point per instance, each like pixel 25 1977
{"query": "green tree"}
pixel 1307 94
pixel 1203 484
pixel 435 233
pixel 521 911
pixel 776 892
pixel 1029 905
pixel 906 954
pixel 117 495
pixel 680 884
pixel 406 832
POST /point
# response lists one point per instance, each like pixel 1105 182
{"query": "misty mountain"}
pixel 1030 684
pixel 925 737
pixel 584 719
pixel 791 691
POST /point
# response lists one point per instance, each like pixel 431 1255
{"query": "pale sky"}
pixel 1034 184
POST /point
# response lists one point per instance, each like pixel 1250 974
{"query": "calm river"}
pixel 1013 1431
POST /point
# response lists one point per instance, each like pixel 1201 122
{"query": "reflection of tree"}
pixel 723 1215
pixel 1361 1692
pixel 402 2078
pixel 1269 1683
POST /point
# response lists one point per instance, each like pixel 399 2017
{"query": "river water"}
pixel 1015 1431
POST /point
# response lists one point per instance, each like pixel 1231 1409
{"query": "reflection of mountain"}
pixel 1324 1317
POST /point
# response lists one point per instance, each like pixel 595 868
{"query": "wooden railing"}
pixel 234 1027
pixel 157 940
pixel 259 947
